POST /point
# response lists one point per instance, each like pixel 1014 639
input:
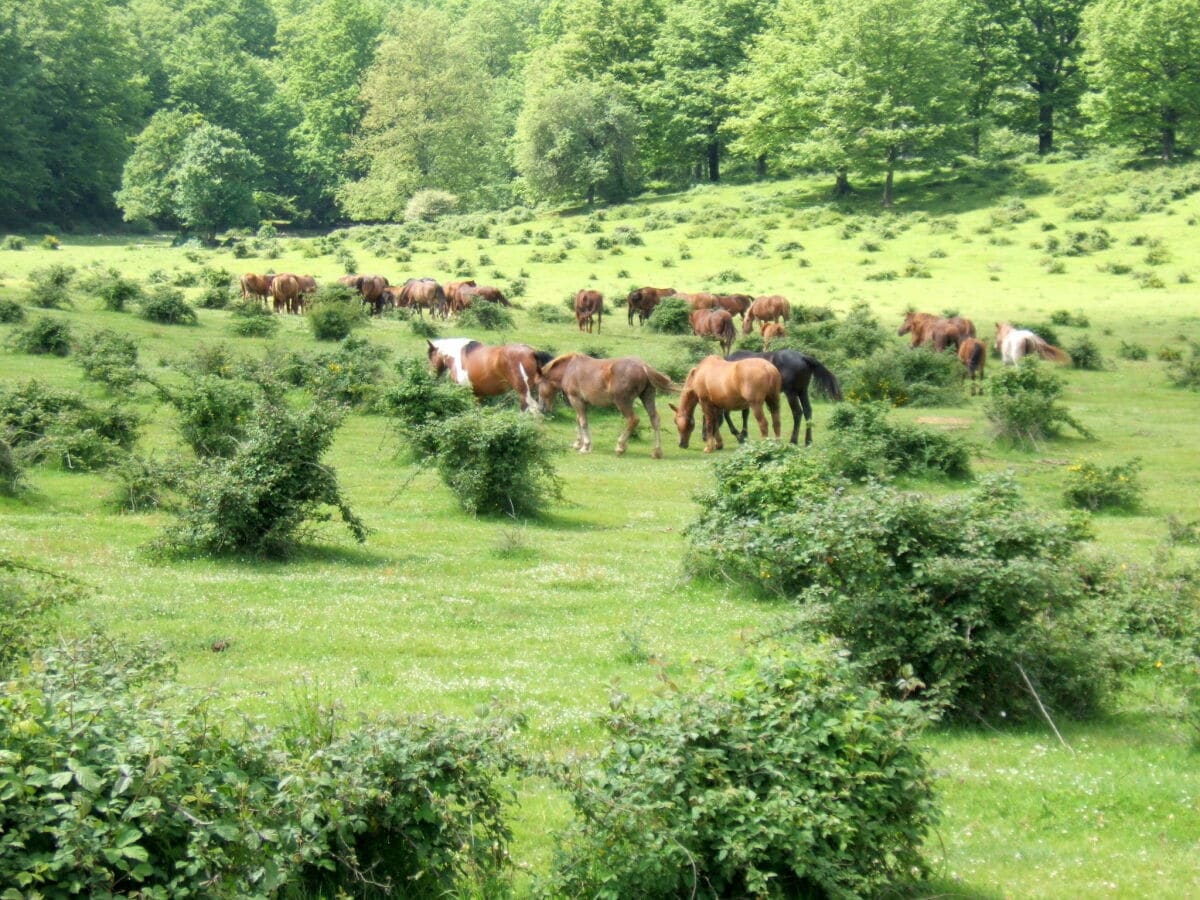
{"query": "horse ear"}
pixel 674 408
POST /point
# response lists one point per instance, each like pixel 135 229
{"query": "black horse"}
pixel 797 369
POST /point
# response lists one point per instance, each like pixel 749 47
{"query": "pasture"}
pixel 441 611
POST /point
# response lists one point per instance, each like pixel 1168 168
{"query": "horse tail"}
pixel 978 355
pixel 728 333
pixel 827 382
pixel 1047 350
pixel 661 381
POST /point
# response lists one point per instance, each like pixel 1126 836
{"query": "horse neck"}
pixel 688 400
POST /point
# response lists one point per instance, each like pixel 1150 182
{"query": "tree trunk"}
pixel 760 166
pixel 1045 129
pixel 714 160
pixel 841 187
pixel 591 194
pixel 1170 118
pixel 887 186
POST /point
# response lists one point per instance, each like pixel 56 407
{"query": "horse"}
pixel 642 301
pixel 699 300
pixel 771 331
pixel 285 291
pixel 308 287
pixel 973 355
pixel 453 291
pixel 489 293
pixel 424 293
pixel 940 331
pixel 490 370
pixel 734 304
pixel 589 305
pixel 1016 343
pixel 714 323
pixel 604 382
pixel 258 286
pixel 796 370
pixel 371 287
pixel 765 309
pixel 718 386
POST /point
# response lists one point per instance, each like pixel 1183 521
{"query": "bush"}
pixel 145 484
pixel 1132 351
pixel 109 358
pixel 1069 319
pixel 430 205
pixel 1022 404
pixel 418 401
pixel 671 316
pixel 349 375
pixel 1094 487
pixel 28 410
pixel 257 500
pixel 12 475
pixel 89 438
pixel 11 312
pixel 50 286
pixel 856 336
pixel 906 377
pixel 43 335
pixel 115 291
pixel 30 594
pixel 863 442
pixel 488 316
pixel 215 412
pixel 12 242
pixel 424 328
pixel 1184 372
pixel 496 462
pixel 259 323
pixel 945 599
pixel 334 312
pixel 1085 354
pixel 166 306
pixel 784 778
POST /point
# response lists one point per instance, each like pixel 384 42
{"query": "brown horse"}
pixel 719 386
pixel 308 287
pixel 424 293
pixel 772 331
pixel 766 309
pixel 604 382
pixel 258 286
pixel 714 323
pixel 490 370
pixel 589 305
pixel 939 331
pixel 454 298
pixel 489 293
pixel 642 302
pixel 700 300
pixel 285 292
pixel 734 304
pixel 973 355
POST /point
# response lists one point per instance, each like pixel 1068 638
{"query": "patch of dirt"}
pixel 948 422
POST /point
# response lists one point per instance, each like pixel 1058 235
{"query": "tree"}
pixel 149 179
pixel 577 140
pixel 214 181
pixel 23 174
pixel 1144 60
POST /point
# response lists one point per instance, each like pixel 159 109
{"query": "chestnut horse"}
pixel 765 309
pixel 285 291
pixel 642 302
pixel 973 355
pixel 604 382
pixel 424 293
pixel 714 323
pixel 258 286
pixel 939 331
pixel 796 370
pixel 589 305
pixel 1016 343
pixel 490 370
pixel 734 304
pixel 772 331
pixel 699 300
pixel 454 298
pixel 719 386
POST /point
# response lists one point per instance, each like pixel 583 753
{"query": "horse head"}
pixel 909 318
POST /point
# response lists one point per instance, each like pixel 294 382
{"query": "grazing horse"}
pixel 371 287
pixel 718 386
pixel 490 294
pixel 454 297
pixel 604 382
pixel 734 304
pixel 771 331
pixel 308 287
pixel 642 302
pixel 699 300
pixel 285 291
pixel 424 293
pixel 939 331
pixel 490 370
pixel 973 355
pixel 766 309
pixel 796 370
pixel 1016 343
pixel 589 305
pixel 258 286
pixel 714 323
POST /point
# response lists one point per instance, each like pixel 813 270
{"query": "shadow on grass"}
pixel 948 889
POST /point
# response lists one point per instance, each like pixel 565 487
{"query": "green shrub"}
pixel 115 291
pixel 252 319
pixel 50 242
pixel 424 328
pixel 1068 318
pixel 51 286
pixel 28 409
pixel 30 594
pixel 496 462
pixel 215 412
pixel 418 401
pixel 43 335
pixel 1132 351
pixel 1085 354
pixel 257 500
pixel 334 312
pixel 1184 372
pixel 145 484
pixel 11 312
pixel 109 358
pixel 12 242
pixel 429 205
pixel 906 377
pixel 166 306
pixel 350 374
pixel 12 473
pixel 864 442
pixel 856 336
pixel 488 316
pixel 1022 403
pixel 216 296
pixel 671 316
pixel 946 599
pixel 784 778
pixel 1094 487
pixel 89 438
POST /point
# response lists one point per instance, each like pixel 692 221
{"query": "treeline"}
pixel 206 114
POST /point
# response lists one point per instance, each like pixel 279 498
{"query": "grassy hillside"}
pixel 442 611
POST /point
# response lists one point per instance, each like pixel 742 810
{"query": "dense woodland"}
pixel 209 114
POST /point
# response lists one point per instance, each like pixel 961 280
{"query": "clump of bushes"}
pixel 334 312
pixel 1069 319
pixel 350 374
pixel 51 286
pixel 552 315
pixel 1085 354
pixel 12 474
pixel 1094 487
pixel 215 412
pixel 906 377
pixel 1132 351
pixel 166 306
pixel 418 401
pixel 671 317
pixel 11 312
pixel 40 423
pixel 109 358
pixel 115 291
pixel 249 318
pixel 1022 403
pixel 1184 371
pixel 44 335
pixel 430 205
pixel 785 777
pixel 865 442
pixel 488 316
pixel 145 483
pixel 856 336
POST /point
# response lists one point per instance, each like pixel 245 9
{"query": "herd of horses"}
pixel 287 293
pixel 746 381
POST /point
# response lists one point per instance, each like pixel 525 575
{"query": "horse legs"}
pixel 631 422
pixel 583 437
pixel 773 406
pixel 740 435
pixel 799 405
pixel 712 424
pixel 652 412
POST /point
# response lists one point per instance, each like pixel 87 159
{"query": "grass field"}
pixel 441 611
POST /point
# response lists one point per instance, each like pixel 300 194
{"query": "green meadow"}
pixel 440 611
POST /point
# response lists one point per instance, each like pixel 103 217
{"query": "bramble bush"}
pixel 906 377
pixel 12 474
pixel 11 312
pixel 863 441
pixel 258 500
pixel 50 286
pixel 1022 404
pixel 671 316
pixel 166 306
pixel 30 594
pixel 784 778
pixel 214 412
pixel 41 422
pixel 1085 354
pixel 249 318
pixel 145 484
pixel 334 311
pixel 497 462
pixel 115 291
pixel 418 401
pixel 950 599
pixel 1184 372
pixel 856 336
pixel 110 358
pixel 350 374
pixel 117 782
pixel 485 315
pixel 1094 487
pixel 44 335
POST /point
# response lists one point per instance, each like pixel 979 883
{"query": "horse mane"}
pixel 556 361
pixel 544 358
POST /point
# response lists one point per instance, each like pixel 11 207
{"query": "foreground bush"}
pixel 1022 403
pixel 214 412
pixel 349 375
pixel 856 336
pixel 418 401
pixel 43 335
pixel 109 358
pixel 1094 487
pixel 115 783
pixel 671 316
pixel 334 312
pixel 41 422
pixel 905 377
pixel 258 500
pixel 864 441
pixel 784 779
pixel 959 599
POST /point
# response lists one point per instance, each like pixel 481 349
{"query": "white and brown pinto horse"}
pixel 719 386
pixel 490 370
pixel 1016 343
pixel 604 382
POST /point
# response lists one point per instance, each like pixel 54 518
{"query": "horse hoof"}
pixel 656 454
pixel 620 451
